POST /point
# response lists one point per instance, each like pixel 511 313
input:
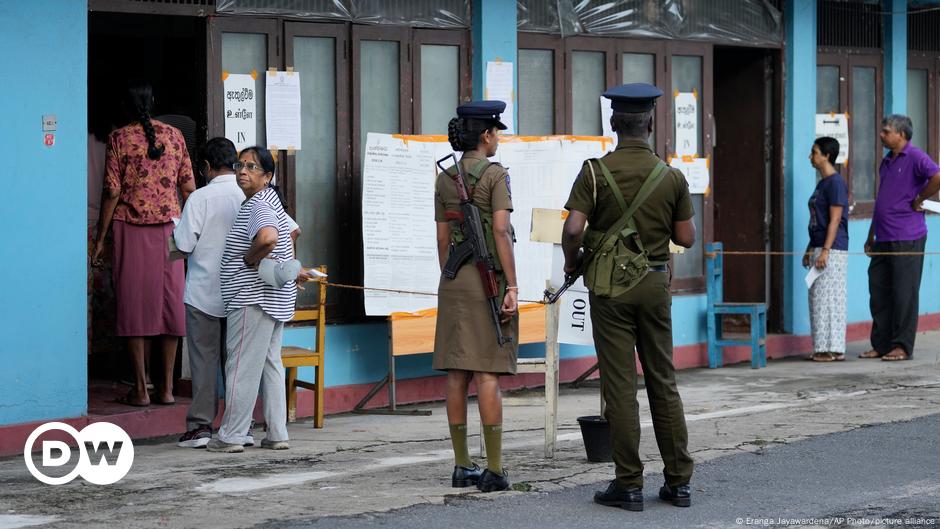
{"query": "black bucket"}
pixel 595 431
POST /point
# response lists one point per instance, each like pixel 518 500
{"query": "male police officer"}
pixel 630 296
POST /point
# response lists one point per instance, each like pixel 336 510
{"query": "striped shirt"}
pixel 242 286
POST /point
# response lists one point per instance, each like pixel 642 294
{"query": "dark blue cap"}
pixel 633 97
pixel 488 109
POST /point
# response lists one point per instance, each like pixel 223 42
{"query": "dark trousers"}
pixel 205 340
pixel 643 318
pixel 894 286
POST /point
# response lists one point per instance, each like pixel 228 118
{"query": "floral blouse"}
pixel 147 188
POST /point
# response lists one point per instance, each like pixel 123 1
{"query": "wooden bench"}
pixel 295 357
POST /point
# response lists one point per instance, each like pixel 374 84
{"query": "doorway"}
pixel 170 53
pixel 747 120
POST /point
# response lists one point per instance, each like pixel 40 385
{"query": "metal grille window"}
pixel 922 34
pixel 849 24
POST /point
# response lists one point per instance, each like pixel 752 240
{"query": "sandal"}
pixel 838 357
pixel 871 353
pixel 895 356
pixel 822 357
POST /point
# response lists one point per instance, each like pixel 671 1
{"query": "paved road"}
pixel 876 476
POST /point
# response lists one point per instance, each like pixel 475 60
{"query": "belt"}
pixel 659 268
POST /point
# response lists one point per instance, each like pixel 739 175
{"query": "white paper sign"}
pixel 398 229
pixel 835 126
pixel 574 310
pixel 695 171
pixel 606 113
pixel 499 86
pixel 282 110
pixel 686 123
pixel 240 110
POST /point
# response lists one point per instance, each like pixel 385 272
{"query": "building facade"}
pixel 755 67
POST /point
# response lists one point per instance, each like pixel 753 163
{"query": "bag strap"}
pixel 478 169
pixel 649 185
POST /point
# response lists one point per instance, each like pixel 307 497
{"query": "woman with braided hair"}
pixel 147 168
pixel 465 343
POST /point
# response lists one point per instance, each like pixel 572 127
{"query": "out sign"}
pixel 49 140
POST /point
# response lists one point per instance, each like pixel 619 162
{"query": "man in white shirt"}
pixel 207 217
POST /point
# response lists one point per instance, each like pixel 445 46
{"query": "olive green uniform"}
pixel 465 337
pixel 641 317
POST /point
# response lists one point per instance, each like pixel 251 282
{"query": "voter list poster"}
pixel 398 228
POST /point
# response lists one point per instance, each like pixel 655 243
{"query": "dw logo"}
pixel 105 454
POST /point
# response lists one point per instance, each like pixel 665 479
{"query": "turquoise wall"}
pixel 43 352
pixel 494 38
pixel 798 176
pixel 895 57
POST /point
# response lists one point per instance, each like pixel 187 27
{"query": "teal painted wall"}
pixel 895 57
pixel 799 177
pixel 43 352
pixel 494 38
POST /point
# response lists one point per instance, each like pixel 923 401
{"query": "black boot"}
pixel 680 495
pixel 491 481
pixel 465 477
pixel 630 498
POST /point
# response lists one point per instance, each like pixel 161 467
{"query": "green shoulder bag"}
pixel 616 258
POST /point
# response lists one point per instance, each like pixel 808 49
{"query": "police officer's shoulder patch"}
pixel 508 187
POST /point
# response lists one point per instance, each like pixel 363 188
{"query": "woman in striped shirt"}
pixel 256 311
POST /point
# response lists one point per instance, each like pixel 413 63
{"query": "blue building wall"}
pixel 895 57
pixel 799 177
pixel 43 352
pixel 494 39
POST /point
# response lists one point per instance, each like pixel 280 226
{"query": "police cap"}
pixel 633 97
pixel 487 109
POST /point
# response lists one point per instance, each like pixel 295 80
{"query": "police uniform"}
pixel 642 316
pixel 465 337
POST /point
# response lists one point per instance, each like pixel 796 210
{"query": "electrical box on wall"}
pixel 49 122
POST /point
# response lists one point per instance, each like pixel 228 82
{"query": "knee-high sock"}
pixel 493 438
pixel 458 438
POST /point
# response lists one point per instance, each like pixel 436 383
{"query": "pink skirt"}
pixel 148 286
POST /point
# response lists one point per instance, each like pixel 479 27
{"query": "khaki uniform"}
pixel 465 337
pixel 641 317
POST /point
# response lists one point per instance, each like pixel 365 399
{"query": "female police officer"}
pixel 465 343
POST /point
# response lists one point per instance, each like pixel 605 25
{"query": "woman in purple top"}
pixel 896 240
pixel 828 251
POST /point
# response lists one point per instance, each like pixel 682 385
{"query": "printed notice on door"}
pixel 282 110
pixel 240 110
pixel 686 123
pixel 835 126
pixel 695 171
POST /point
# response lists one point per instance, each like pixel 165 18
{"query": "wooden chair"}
pixel 717 306
pixel 294 357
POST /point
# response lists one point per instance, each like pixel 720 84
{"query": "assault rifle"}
pixel 551 297
pixel 473 245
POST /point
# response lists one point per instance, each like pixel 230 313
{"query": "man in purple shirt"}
pixel 907 177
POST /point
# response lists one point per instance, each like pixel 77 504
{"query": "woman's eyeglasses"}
pixel 251 166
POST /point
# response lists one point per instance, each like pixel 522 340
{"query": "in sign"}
pixel 49 140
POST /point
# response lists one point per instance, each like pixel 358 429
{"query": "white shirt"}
pixel 207 218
